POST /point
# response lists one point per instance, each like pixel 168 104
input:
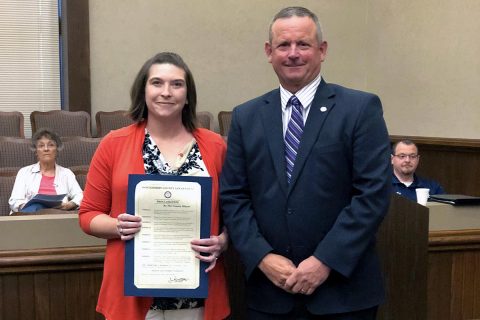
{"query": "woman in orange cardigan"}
pixel 164 140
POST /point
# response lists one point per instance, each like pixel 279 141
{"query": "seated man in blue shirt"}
pixel 405 159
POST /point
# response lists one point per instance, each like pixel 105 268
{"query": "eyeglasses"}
pixel 403 156
pixel 49 145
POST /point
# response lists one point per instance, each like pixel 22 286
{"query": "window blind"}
pixel 29 57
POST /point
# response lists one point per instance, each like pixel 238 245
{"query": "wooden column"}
pixel 76 55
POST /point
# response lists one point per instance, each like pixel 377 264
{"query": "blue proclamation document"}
pixel 159 261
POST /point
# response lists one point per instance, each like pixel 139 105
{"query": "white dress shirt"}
pixel 305 95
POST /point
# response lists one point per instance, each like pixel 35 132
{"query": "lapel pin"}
pixel 323 109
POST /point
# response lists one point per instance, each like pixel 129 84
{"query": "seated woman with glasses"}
pixel 45 184
pixel 405 160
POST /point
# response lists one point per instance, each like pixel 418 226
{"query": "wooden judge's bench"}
pixel 454 262
pixel 49 269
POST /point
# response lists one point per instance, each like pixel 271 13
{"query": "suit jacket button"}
pixel 289 211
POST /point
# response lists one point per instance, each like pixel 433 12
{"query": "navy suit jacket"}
pixel 338 195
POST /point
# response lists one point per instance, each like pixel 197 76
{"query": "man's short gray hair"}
pixel 296 12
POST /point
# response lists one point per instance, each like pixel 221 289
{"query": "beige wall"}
pixel 418 56
pixel 423 59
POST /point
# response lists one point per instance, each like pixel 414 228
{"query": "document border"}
pixel 206 206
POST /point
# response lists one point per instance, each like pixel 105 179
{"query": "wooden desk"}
pixel 49 269
pixel 454 262
pixel 23 232
pixel 42 212
pixel 448 217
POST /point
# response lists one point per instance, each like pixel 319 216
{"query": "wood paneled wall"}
pixel 50 284
pixel 64 283
pixel 454 163
pixel 454 275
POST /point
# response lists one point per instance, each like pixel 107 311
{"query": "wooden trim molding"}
pixel 437 141
pixel 74 258
pixel 454 240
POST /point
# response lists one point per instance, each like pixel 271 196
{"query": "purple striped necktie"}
pixel 293 134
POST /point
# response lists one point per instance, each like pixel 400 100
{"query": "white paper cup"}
pixel 422 195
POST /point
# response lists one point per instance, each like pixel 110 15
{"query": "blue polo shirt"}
pixel 418 182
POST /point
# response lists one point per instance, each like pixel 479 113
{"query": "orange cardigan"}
pixel 119 154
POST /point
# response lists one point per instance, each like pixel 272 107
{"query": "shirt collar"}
pixel 305 95
pixel 36 167
pixel 396 181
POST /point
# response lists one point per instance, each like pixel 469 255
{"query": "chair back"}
pixel 224 119
pixel 7 180
pixel 111 120
pixel 205 120
pixel 64 123
pixel 77 151
pixel 16 152
pixel 80 174
pixel 11 124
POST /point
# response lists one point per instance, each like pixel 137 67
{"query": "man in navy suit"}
pixel 306 234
